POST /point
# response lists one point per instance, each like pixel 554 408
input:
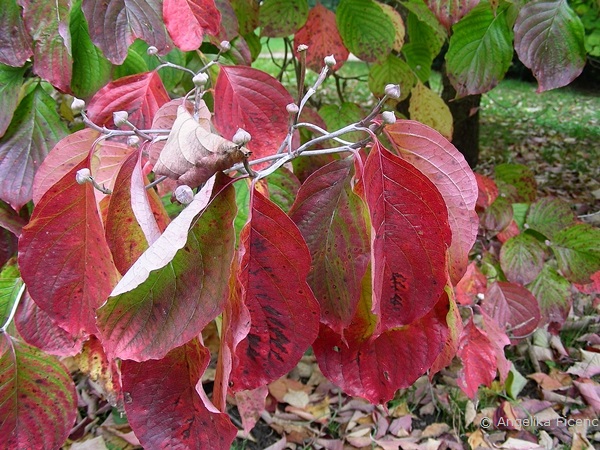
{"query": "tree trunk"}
pixel 465 113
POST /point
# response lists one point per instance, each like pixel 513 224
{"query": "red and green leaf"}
pixel 11 79
pixel 549 39
pixel 38 403
pixel 15 43
pixel 330 217
pixel 166 406
pixel 553 292
pixel 517 182
pixel 281 18
pixel 253 100
pixel 449 12
pixel 284 314
pixel 446 167
pixel 68 274
pixel 321 35
pixel 522 258
pixel 577 250
pixel 367 31
pixel 187 21
pixel 34 130
pixel 48 24
pixel 115 24
pixel 139 95
pixel 550 215
pixel 10 288
pixel 410 237
pixel 177 286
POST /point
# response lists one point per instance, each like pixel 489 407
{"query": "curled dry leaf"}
pixel 193 153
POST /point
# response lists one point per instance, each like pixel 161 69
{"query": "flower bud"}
pixel 120 118
pixel 302 48
pixel 77 105
pixel 152 50
pixel 83 176
pixel 392 91
pixel 225 46
pixel 200 79
pixel 292 109
pixel 133 141
pixel 184 194
pixel 241 137
pixel 330 61
pixel 388 117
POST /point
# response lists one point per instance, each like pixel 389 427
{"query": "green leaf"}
pixel 134 63
pixel 519 213
pixel 367 31
pixel 170 76
pixel 91 70
pixel 549 39
pixel 521 178
pixel 34 130
pixel 550 215
pixel 281 18
pixel 577 251
pixel 480 50
pixel 391 70
pixel 37 397
pixel 11 79
pixel 242 200
pixel 515 382
pixel 283 187
pixel 338 116
pixel 553 292
pixel 419 58
pixel 522 258
pixel 423 26
pixel 10 284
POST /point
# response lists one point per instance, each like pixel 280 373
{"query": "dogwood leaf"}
pixel 165 403
pixel 553 292
pixel 67 274
pixel 281 18
pixel 139 95
pixel 37 394
pixel 11 79
pixel 284 314
pixel 15 43
pixel 429 109
pixel 410 236
pixel 187 21
pixel 193 153
pixel 449 12
pixel 522 258
pixel 550 215
pixel 253 100
pixel 577 250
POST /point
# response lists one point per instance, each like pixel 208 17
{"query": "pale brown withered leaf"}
pixel 193 153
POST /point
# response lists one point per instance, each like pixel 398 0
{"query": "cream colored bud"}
pixel 302 48
pixel 392 91
pixel 200 79
pixel 133 141
pixel 388 117
pixel 120 118
pixel 77 105
pixel 241 137
pixel 225 46
pixel 292 109
pixel 184 194
pixel 152 50
pixel 330 61
pixel 83 176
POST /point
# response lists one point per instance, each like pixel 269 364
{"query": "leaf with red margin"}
pixel 187 21
pixel 63 255
pixel 513 306
pixel 255 101
pixel 33 131
pixel 178 285
pixel 455 329
pixel 499 340
pixel 488 191
pixel 473 283
pixel 48 25
pixel 165 407
pixel 93 362
pixel 367 366
pixel 280 18
pixel 448 12
pixel 15 43
pixel 140 95
pixel 37 397
pixel 478 358
pixel 330 217
pixel 284 314
pixel 37 328
pixel 131 220
pixel 410 237
pixel 114 25
pixel 445 167
pixel 321 35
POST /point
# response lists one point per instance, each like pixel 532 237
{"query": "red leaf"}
pixel 374 368
pixel 187 21
pixel 48 25
pixel 114 25
pixel 250 405
pixel 38 403
pixel 498 340
pixel 445 167
pixel 321 35
pixel 255 101
pixel 513 306
pixel 284 313
pixel 166 406
pixel 178 285
pixel 93 362
pixel 15 43
pixel 410 236
pixel 470 286
pixel 37 328
pixel 478 357
pixel 448 12
pixel 10 220
pixel 131 220
pixel 455 329
pixel 330 218
pixel 63 256
pixel 140 95
pixel 488 191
